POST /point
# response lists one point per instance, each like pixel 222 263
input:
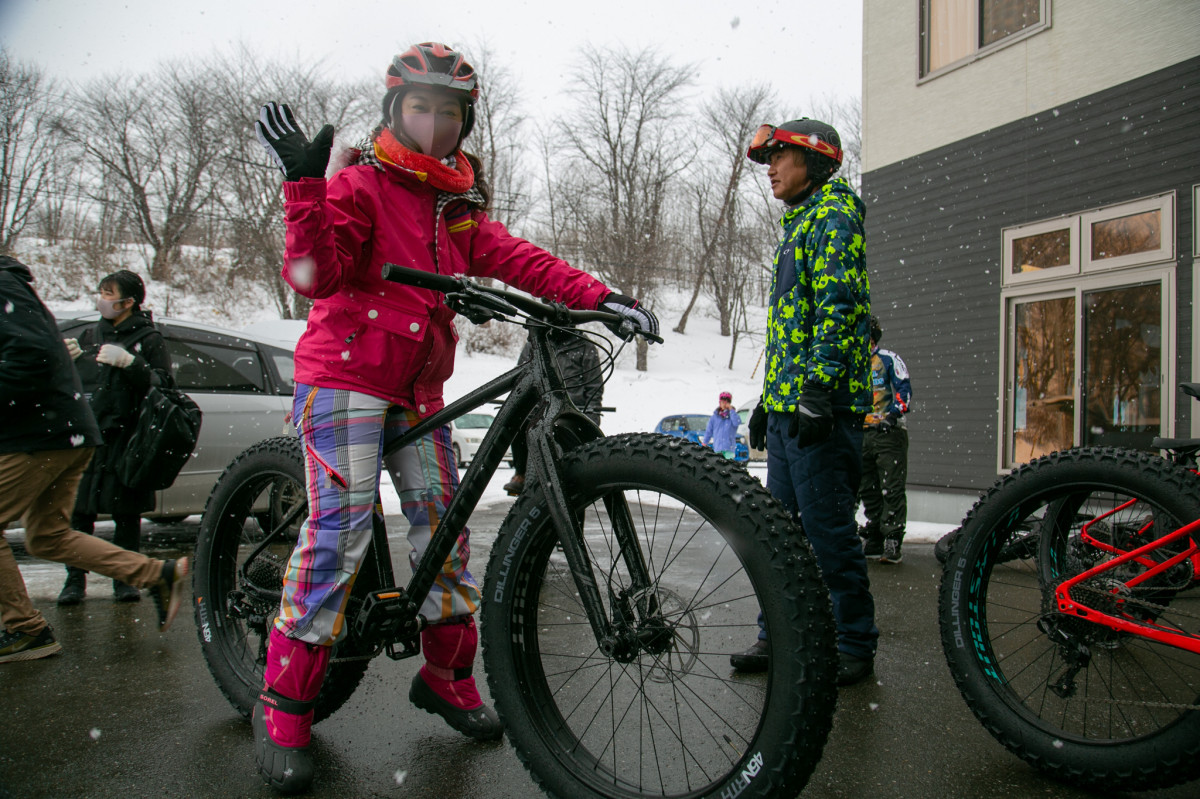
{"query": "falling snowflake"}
pixel 733 23
pixel 345 355
pixel 95 734
pixel 399 776
pixel 301 271
pixel 77 440
pixel 873 705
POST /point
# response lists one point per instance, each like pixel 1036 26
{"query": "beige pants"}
pixel 39 487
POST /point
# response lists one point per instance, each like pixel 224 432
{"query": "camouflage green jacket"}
pixel 818 320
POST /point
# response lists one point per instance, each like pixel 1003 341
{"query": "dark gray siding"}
pixel 934 246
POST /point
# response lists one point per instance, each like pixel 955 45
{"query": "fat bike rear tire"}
pixel 1087 704
pixel 672 718
pixel 260 489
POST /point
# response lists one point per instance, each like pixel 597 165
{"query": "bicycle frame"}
pixel 1156 632
pixel 538 407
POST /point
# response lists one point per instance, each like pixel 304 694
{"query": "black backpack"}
pixel 167 428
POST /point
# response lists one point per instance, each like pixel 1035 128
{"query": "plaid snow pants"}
pixel 344 433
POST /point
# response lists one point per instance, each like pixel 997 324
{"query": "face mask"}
pixel 108 309
pixel 436 135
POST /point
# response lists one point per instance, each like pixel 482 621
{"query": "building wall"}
pixel 1090 45
pixel 934 225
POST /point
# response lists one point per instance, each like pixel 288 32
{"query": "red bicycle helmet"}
pixel 438 66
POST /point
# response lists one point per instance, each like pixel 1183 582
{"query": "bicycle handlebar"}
pixel 447 284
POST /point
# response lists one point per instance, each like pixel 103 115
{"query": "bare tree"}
pixel 158 140
pixel 29 133
pixel 622 154
pixel 498 137
pixel 251 195
pixel 717 191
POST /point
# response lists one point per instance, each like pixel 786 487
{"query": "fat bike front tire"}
pixel 237 585
pixel 1087 704
pixel 672 718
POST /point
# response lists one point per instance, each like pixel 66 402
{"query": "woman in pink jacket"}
pixel 372 363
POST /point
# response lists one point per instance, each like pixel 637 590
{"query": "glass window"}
pixel 1001 18
pixel 1041 251
pixel 1126 235
pixel 474 421
pixel 954 30
pixel 211 367
pixel 1043 378
pixel 1122 364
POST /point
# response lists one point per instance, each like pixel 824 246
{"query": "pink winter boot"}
pixel 282 718
pixel 444 685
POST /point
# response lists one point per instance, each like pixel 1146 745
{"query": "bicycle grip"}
pixel 419 278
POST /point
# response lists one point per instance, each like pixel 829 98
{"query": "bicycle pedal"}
pixel 387 617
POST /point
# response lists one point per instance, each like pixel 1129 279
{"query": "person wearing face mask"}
pixel 721 431
pixel 371 364
pixel 118 360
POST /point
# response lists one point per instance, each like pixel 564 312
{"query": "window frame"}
pixel 1077 286
pixel 979 51
pixel 1163 203
pixel 1010 234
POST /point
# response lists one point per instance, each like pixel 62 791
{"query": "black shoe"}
pixel 872 547
pixel 23 646
pixel 941 550
pixel 480 723
pixel 891 551
pixel 515 486
pixel 853 670
pixel 167 593
pixel 752 659
pixel 287 769
pixel 74 588
pixel 124 592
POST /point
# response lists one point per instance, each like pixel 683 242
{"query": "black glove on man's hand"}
pixel 294 154
pixel 758 426
pixel 888 423
pixel 632 310
pixel 812 422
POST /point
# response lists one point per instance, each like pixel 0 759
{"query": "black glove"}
pixel 632 310
pixel 812 422
pixel 888 423
pixel 295 155
pixel 758 427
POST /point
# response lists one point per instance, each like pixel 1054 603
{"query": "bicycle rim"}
pixel 674 720
pixel 1107 705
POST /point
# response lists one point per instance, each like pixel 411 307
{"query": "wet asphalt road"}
pixel 126 712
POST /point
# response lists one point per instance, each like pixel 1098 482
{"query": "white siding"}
pixel 1090 46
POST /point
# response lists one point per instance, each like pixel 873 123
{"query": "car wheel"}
pixel 458 456
pixel 168 519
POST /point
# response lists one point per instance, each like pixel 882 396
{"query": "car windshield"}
pixel 474 421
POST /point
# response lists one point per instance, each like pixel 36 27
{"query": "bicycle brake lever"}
pixel 478 306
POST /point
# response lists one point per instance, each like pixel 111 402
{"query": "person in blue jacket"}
pixel 721 432
pixel 885 454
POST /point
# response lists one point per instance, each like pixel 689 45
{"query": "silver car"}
pixel 242 382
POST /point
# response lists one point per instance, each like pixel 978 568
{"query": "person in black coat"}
pixel 118 360
pixel 46 441
pixel 580 367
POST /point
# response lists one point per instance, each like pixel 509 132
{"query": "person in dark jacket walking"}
pixel 46 441
pixel 817 383
pixel 583 377
pixel 117 360
pixel 885 454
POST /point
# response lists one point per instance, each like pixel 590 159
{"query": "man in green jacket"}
pixel 817 386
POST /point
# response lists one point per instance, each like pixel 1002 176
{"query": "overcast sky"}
pixel 804 48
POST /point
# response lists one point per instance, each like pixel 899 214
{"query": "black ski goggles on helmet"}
pixel 769 138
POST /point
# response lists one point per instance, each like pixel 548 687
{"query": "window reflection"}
pixel 1122 363
pixel 1000 18
pixel 1126 235
pixel 1041 251
pixel 1044 383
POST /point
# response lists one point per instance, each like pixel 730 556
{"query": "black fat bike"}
pixel 621 580
pixel 1070 616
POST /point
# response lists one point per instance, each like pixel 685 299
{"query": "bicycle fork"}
pixel 633 626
